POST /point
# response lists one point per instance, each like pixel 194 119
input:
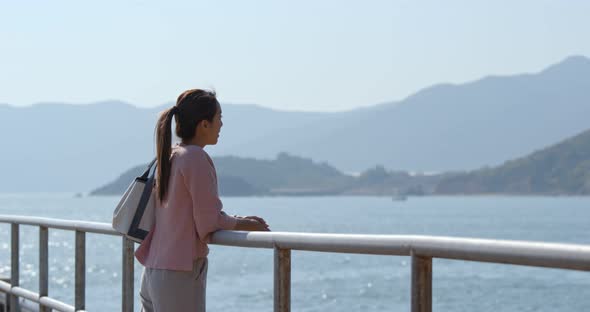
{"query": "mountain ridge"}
pixel 440 128
pixel 571 61
pixel 562 168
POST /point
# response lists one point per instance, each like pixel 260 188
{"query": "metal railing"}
pixel 80 228
pixel 421 249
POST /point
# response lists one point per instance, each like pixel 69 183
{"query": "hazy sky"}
pixel 319 55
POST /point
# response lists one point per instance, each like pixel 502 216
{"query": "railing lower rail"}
pixel 421 249
pixel 80 228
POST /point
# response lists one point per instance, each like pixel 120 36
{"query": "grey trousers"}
pixel 172 291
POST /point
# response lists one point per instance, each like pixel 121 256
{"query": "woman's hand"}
pixel 251 224
pixel 259 219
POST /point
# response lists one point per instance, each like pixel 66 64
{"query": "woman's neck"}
pixel 194 141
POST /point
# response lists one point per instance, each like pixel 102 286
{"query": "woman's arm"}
pixel 200 179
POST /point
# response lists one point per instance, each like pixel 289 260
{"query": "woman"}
pixel 189 209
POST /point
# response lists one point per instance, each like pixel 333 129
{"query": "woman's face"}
pixel 215 127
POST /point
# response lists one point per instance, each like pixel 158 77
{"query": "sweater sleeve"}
pixel 201 181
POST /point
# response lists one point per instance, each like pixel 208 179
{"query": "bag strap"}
pixel 143 201
pixel 146 173
pixel 145 196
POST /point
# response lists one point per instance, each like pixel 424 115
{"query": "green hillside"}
pixel 248 176
pixel 561 169
pixel 296 176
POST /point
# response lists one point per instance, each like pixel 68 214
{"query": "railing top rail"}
pixel 554 255
pixel 72 225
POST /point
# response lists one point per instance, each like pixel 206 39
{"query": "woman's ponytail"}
pixel 163 146
pixel 192 106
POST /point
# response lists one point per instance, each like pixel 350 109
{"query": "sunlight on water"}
pixel 332 282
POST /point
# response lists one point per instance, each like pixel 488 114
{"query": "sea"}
pixel 241 279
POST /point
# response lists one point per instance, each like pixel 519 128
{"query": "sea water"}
pixel 241 279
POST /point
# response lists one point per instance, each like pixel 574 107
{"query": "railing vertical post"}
pixel 43 266
pixel 14 265
pixel 282 280
pixel 128 277
pixel 421 283
pixel 80 283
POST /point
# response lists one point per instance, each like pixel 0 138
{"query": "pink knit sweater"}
pixel 189 214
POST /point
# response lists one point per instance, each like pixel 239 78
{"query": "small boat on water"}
pixel 399 197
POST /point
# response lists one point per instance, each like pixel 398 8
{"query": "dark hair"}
pixel 192 107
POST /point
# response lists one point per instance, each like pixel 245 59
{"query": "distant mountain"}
pixel 247 176
pixel 292 175
pixel 64 147
pixel 561 169
pixel 285 172
pixel 61 147
pixel 447 127
pixel 228 185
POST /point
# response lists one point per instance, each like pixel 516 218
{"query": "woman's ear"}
pixel 202 124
